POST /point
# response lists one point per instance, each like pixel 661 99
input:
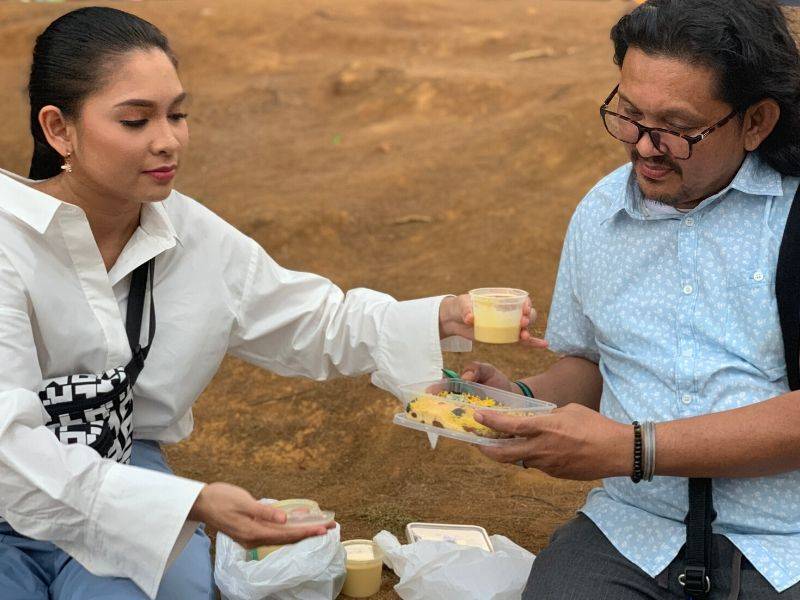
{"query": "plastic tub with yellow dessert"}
pixel 497 314
pixel 447 408
pixel 300 512
pixel 364 565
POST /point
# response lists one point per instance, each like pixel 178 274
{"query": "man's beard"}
pixel 665 161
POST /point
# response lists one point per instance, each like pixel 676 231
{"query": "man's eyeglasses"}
pixel 674 144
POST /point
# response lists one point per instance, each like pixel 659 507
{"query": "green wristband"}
pixel 526 390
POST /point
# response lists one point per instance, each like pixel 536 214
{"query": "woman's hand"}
pixel 456 318
pixel 245 520
pixel 572 442
pixel 487 374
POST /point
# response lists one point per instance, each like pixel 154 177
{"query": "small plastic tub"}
pixel 498 313
pixel 299 513
pixel 364 566
pixel 463 535
pixel 447 408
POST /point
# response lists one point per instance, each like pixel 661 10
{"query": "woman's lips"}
pixel 163 174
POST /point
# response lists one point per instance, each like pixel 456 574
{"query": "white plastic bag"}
pixel 447 571
pixel 312 569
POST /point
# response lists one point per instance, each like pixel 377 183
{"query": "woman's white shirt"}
pixel 216 291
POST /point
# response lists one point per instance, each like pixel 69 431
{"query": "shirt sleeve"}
pixel 92 508
pixel 301 324
pixel 569 330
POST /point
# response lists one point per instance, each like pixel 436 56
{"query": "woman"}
pixel 110 132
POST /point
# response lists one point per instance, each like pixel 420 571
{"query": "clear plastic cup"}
pixel 497 312
pixel 364 566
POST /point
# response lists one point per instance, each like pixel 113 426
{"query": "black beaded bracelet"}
pixel 638 473
pixel 526 390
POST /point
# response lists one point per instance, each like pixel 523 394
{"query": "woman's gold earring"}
pixel 67 166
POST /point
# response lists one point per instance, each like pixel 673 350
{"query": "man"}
pixel 665 312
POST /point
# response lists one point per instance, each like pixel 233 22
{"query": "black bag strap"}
pixel 787 292
pixel 133 319
pixel 695 578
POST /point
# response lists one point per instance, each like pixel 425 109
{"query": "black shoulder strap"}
pixel 133 319
pixel 787 292
pixel 696 576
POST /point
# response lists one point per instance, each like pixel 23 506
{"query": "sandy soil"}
pixel 389 144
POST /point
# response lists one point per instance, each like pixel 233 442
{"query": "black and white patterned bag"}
pixel 97 409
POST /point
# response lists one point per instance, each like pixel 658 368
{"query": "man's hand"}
pixel 456 318
pixel 572 442
pixel 248 522
pixel 487 374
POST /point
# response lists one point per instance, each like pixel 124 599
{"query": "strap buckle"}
pixel 695 581
pixel 137 358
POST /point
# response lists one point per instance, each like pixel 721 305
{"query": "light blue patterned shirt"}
pixel 680 312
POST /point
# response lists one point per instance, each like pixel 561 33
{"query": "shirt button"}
pixel 758 276
pixel 686 399
pixel 689 221
pixel 687 352
pixel 687 289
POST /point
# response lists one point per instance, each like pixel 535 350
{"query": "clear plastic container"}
pixel 463 535
pixel 299 513
pixel 497 312
pixel 364 565
pixel 440 409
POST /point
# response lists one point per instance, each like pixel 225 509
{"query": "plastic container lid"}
pixel 499 295
pixel 362 552
pixel 301 512
pixel 450 424
pixel 463 535
pixel 309 519
pixel 295 503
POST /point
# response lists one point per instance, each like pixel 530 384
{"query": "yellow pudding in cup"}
pixel 497 313
pixel 364 566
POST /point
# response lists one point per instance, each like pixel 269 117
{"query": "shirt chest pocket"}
pixel 752 325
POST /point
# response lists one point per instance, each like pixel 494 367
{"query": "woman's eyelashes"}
pixel 134 124
pixel 139 123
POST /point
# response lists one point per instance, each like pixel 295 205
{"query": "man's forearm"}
pixel 571 379
pixel 757 440
pixel 753 441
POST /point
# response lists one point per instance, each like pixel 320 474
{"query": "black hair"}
pixel 71 59
pixel 746 43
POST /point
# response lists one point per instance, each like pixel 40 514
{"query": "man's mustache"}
pixel 656 161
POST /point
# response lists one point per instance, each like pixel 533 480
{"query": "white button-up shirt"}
pixel 216 291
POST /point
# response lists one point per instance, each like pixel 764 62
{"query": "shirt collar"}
pixel 155 221
pixel 31 206
pixel 755 178
pixel 38 209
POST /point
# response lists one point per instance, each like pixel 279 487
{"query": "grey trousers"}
pixel 581 564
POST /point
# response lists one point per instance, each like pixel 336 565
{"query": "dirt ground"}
pixel 396 145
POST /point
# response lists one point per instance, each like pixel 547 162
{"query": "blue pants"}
pixel 34 570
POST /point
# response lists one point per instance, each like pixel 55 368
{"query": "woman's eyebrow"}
pixel 149 103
